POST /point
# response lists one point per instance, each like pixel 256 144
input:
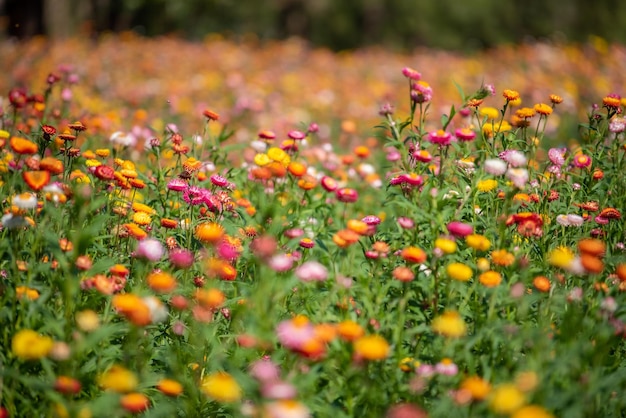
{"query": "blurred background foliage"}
pixel 337 24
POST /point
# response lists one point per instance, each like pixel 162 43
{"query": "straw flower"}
pixel 459 271
pixel 490 278
pixel 221 387
pixel 371 347
pixel 449 324
pixel 29 345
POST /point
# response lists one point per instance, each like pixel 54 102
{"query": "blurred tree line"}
pixel 337 24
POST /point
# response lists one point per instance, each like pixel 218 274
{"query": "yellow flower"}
pixel 543 109
pixel 490 112
pixel 459 271
pixel 221 387
pixel 262 160
pixel 87 320
pixel 506 399
pixel 450 324
pixel 24 291
pixel 561 257
pixel 486 185
pixel 446 245
pixel 29 345
pixel 142 218
pixel 510 95
pixel 477 386
pixel 478 242
pixel 278 155
pixel 532 411
pixel 118 379
pixel 371 347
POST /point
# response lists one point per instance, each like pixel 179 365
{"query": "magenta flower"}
pixel 195 195
pixel 465 134
pixel 219 181
pixel 439 137
pixel 181 258
pixel 347 195
pixel 177 185
pixel 460 229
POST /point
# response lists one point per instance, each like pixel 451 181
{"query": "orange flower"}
pixel 357 226
pixel 502 258
pixel 591 263
pixel 542 284
pixel 135 231
pixel 170 387
pixel 490 278
pixel 592 246
pixel 51 164
pixel 297 169
pixel 133 308
pixel 209 232
pixel 413 255
pixel 362 151
pixel 307 182
pixel 210 298
pixel 36 180
pixel 510 95
pixel 161 282
pixel 135 403
pixel 349 330
pixel 23 146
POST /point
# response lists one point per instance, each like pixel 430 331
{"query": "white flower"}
pixel 25 200
pixel 495 166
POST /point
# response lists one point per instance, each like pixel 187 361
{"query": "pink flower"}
pixel 329 184
pixel 281 263
pixel 219 181
pixel 519 177
pixel 439 137
pixel 465 134
pixel 150 249
pixel 347 195
pixel 446 367
pixel 177 185
pixel 264 370
pixel 227 251
pixel 514 158
pixel 278 389
pixel 411 74
pixel 295 333
pixel 460 229
pixel 557 156
pixel 371 220
pixel 311 271
pixel 406 223
pixel 294 233
pixel 296 135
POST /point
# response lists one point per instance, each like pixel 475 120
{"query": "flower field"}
pixel 266 230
